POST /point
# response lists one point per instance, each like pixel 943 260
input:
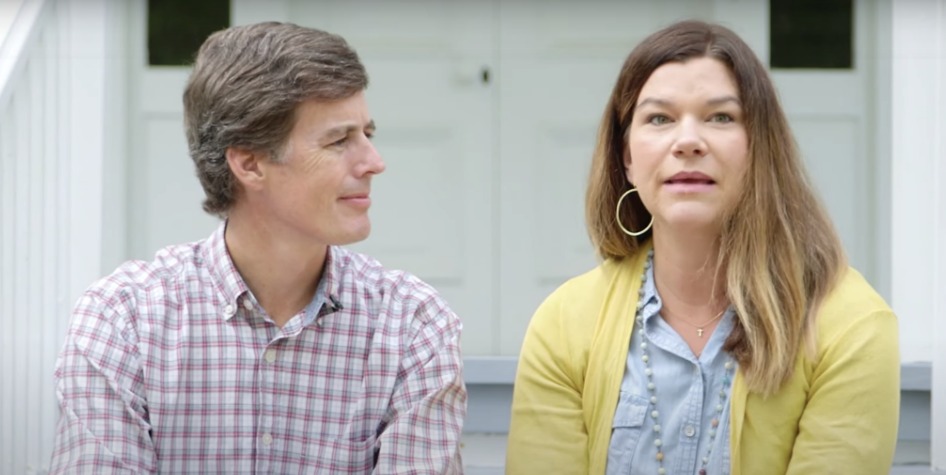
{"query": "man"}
pixel 266 348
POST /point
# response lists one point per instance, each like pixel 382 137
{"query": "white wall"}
pixel 916 136
pixel 918 179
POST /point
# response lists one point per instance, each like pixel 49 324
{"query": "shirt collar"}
pixel 231 285
pixel 229 282
pixel 650 301
pixel 335 264
pixel 651 304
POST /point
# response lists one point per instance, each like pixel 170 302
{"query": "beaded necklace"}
pixel 652 388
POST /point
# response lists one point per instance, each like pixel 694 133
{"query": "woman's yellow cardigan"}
pixel 837 414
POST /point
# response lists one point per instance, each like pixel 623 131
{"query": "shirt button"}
pixel 229 310
pixel 267 439
pixel 247 304
pixel 689 431
pixel 270 355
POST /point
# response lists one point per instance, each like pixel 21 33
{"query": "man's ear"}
pixel 245 166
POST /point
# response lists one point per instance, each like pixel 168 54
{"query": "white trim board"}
pixel 501 370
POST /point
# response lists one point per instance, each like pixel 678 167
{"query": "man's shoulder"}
pixel 136 277
pixel 371 272
pixel 393 286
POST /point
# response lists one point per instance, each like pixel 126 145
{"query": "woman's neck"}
pixel 685 273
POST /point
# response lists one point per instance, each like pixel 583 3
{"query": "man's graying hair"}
pixel 243 92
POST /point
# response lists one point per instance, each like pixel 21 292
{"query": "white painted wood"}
pixel 26 397
pixel 881 45
pixel 7 283
pixel 916 63
pixel 13 89
pixel 919 203
pixel 8 12
pixel 54 244
pixel 245 12
pixel 749 19
pixel 164 195
pixel 86 137
pixel 938 399
pixel 17 30
pixel 117 145
pixel 51 146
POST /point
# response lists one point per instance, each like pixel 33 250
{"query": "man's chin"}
pixel 353 237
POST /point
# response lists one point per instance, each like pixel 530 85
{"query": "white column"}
pixel 8 11
pixel 938 399
pixel 918 236
pixel 85 47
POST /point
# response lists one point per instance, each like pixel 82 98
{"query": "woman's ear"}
pixel 628 169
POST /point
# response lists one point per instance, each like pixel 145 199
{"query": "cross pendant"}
pixel 699 332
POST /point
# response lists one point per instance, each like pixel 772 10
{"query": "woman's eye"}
pixel 722 118
pixel 658 119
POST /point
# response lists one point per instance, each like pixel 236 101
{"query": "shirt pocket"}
pixel 626 431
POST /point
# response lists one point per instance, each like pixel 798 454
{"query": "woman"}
pixel 723 332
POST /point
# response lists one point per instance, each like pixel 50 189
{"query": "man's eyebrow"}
pixel 349 128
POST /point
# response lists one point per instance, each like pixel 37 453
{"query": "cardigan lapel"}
pixel 608 353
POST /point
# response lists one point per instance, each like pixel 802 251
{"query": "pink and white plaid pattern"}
pixel 173 367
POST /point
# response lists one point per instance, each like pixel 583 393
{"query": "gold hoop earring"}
pixel 617 216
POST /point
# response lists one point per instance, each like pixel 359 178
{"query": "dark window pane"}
pixel 811 34
pixel 177 28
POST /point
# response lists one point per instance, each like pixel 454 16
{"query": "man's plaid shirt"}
pixel 172 366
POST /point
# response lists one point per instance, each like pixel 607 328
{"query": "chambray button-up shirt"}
pixel 687 395
pixel 171 366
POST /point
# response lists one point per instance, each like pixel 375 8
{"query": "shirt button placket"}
pixel 267 387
